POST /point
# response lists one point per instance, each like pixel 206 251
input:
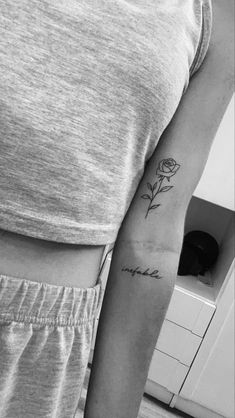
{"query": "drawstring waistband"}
pixel 28 301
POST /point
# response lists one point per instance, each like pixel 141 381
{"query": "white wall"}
pixel 217 181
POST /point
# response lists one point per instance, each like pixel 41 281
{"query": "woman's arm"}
pixel 146 254
pixel 187 139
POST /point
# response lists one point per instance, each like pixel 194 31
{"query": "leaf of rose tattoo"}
pixel 154 206
pixel 167 168
pixel 165 189
pixel 146 196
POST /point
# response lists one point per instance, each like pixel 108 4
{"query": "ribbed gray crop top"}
pixel 86 89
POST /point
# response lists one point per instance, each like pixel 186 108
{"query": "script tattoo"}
pixel 136 270
pixel 166 169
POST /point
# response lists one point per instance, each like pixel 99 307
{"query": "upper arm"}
pixel 216 41
pixel 187 140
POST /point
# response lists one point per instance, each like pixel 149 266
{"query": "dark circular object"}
pixel 189 263
pixel 199 252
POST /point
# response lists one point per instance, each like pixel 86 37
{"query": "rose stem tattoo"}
pixel 166 169
pixel 154 273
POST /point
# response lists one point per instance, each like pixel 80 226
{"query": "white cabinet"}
pixel 210 382
pixel 178 342
pixel 186 321
pixel 195 312
pixel 170 372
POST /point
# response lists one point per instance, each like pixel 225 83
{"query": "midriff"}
pixel 48 261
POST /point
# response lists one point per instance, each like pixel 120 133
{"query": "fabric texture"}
pixel 86 90
pixel 45 338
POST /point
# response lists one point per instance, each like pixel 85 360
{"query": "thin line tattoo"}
pixel 166 169
pixel 154 273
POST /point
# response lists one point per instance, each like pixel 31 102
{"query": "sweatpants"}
pixel 45 339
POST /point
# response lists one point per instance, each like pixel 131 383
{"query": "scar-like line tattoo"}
pixel 166 169
pixel 154 273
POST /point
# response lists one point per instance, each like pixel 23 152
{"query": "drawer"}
pixel 178 342
pixel 190 311
pixel 167 371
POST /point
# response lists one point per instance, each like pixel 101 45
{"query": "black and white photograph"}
pixel 117 209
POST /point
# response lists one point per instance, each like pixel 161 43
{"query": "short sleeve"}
pixel 204 37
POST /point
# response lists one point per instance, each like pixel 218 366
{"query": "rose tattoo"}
pixel 166 169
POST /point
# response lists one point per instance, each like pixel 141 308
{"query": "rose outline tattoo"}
pixel 167 168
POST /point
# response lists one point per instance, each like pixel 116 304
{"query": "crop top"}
pixel 86 89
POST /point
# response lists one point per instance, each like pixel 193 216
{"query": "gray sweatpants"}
pixel 45 338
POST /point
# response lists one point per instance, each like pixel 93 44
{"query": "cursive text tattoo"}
pixel 154 273
pixel 166 169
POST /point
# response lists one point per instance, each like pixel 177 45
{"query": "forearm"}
pixel 132 314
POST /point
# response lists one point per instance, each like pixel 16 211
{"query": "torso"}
pixel 49 262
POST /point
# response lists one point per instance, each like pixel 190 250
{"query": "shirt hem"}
pixel 96 235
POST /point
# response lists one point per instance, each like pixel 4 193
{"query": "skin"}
pixel 134 306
